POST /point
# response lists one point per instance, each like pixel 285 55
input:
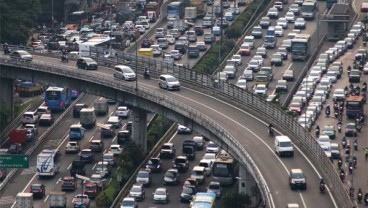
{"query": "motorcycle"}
pixel 339 127
pixel 327 111
pixel 322 187
pixel 317 132
pixel 351 168
pixel 366 198
pixel 355 144
pixel 342 176
pixel 346 91
pixel 271 131
pixel 64 58
pixel 360 196
pixel 146 74
pixel 339 163
pixel 343 142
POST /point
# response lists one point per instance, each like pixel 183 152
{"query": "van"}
pixel 96 145
pixel 87 117
pixel 216 31
pixel 270 42
pixel 124 72
pixel 193 51
pixel 270 31
pixel 248 75
pixel 249 40
pixel 284 146
pixel 208 38
pixel 198 174
pixel 114 121
pixel 190 152
pixel 30 117
pixel 76 132
pixel 326 146
pixel 199 141
pixel 101 107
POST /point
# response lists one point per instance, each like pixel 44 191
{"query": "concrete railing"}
pixel 184 110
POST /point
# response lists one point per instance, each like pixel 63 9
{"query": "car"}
pixel 77 108
pixel 86 63
pixel 137 192
pixel 114 121
pixel 146 43
pixel 237 58
pixel 86 155
pixel 167 150
pixel 72 147
pixel 335 150
pixel 155 164
pixel 279 31
pixel 46 120
pixel 288 75
pixel 212 148
pixel 128 202
pixel 122 112
pixel 21 55
pixel 339 95
pixel 124 73
pixel 365 68
pixel 98 180
pixel 181 163
pixel 183 129
pixel 96 145
pixel 354 76
pixel 110 158
pixel 276 59
pixel 201 46
pixel 171 177
pixel 103 168
pixel 160 33
pixel 116 149
pixel 225 4
pixel 350 130
pixel 330 131
pixel 297 179
pixel 242 83
pixel 244 50
pixel 187 194
pixel 282 22
pixel 157 51
pixel 144 177
pixel 332 75
pixel 290 17
pixel 295 107
pixel 265 22
pixel 81 200
pixel 295 9
pixel 257 32
pixel 68 183
pixel 273 13
pixel 262 51
pixel 260 89
pixel 300 23
pixel 38 190
pixel 254 65
pixel 168 82
pixel 107 131
pixel 170 39
pixel 161 195
pixel 15 148
pixel 281 86
pixel 214 187
pixel 279 5
pixel 198 173
pixel 198 30
pixel 284 53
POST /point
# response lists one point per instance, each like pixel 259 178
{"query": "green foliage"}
pixel 107 196
pixel 233 199
pixel 159 127
pixel 4 116
pixel 17 17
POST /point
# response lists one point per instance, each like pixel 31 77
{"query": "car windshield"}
pixel 35 187
pixel 136 189
pixel 295 105
pixel 197 173
pixel 171 79
pixel 214 186
pixel 128 203
pixel 329 128
pixel 143 174
pixel 169 175
pixel 187 190
pixel 260 87
pixel 153 162
pixel 160 192
pixel 209 156
pixel 89 60
pixel 212 145
pixel 297 175
pixel 166 147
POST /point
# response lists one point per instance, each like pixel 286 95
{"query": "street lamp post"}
pixel 52 13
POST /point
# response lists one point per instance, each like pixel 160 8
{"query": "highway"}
pixel 251 134
pixel 58 139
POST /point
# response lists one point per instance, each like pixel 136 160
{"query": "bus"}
pixel 354 106
pixel 175 9
pixel 48 162
pixel 308 10
pixel 103 42
pixel 78 17
pixel 330 3
pixel 223 169
pixel 300 47
pixel 203 200
pixel 57 98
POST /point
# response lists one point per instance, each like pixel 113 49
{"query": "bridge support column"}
pixel 247 185
pixel 139 134
pixel 7 98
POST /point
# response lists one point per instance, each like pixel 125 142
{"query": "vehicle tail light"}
pixel 61 104
pixel 73 183
pixel 44 104
pixel 52 169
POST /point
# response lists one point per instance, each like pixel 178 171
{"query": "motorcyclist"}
pixel 322 185
pixel 342 175
pixel 360 196
pixel 328 110
pixel 270 129
pixel 146 72
pixel 343 142
pixel 339 126
pixel 339 162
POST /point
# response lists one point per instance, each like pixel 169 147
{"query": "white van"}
pixel 326 146
pixel 249 40
pixel 30 117
pixel 198 174
pixel 124 72
pixel 284 146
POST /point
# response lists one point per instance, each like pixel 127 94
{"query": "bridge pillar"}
pixel 139 130
pixel 247 185
pixel 7 97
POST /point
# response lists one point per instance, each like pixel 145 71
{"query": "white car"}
pixel 122 111
pixel 168 59
pixel 300 23
pixel 237 58
pixel 212 148
pixel 170 39
pixel 254 65
pixel 168 82
pixel 210 156
pixel 161 195
pixel 260 89
pixel 115 149
pixel 242 83
pixel 175 54
pixel 258 58
pixel 279 32
pixel 183 129
pixel 273 13
pixel 338 94
pixel 290 16
pixel 282 22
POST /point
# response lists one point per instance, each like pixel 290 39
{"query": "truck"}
pixel 152 10
pixel 88 117
pixel 18 136
pixel 201 11
pixel 190 14
pixel 101 107
pixel 146 52
pixel 24 200
pixel 29 89
pixel 57 199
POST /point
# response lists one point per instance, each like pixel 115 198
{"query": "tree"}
pixel 233 199
pixel 17 18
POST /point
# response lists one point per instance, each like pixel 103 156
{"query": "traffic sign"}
pixel 14 161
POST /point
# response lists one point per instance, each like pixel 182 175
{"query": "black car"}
pixel 198 30
pixel 171 177
pixel 68 184
pixel 78 167
pixel 86 155
pixel 86 63
pixel 181 163
pixel 77 108
pixel 38 190
pixel 187 194
pixel 154 164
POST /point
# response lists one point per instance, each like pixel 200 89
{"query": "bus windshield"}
pixel 353 105
pixel 53 95
pixel 307 8
pixel 221 170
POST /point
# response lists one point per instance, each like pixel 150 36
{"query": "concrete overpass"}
pixel 231 117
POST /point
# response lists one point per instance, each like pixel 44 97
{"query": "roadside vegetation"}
pixel 130 160
pixel 212 59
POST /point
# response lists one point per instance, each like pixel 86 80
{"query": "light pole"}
pixel 136 67
pixel 52 13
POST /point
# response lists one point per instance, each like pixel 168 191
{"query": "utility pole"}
pixel 221 20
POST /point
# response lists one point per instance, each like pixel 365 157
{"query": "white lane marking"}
pixel 69 166
pixel 113 140
pixel 91 138
pixel 94 166
pixel 58 181
pixel 301 197
pixel 46 198
pixel 289 66
pixel 111 113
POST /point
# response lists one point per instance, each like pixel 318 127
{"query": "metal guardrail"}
pixel 161 99
pixel 123 192
pixel 40 140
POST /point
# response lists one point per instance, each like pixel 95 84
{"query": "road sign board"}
pixel 14 161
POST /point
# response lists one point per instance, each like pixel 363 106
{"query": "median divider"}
pixel 123 192
pixel 41 139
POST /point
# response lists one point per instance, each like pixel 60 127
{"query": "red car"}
pixel 296 107
pixel 244 50
pixel 38 190
pixel 364 7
